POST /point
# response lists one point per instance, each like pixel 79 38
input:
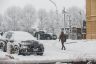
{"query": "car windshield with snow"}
pixel 20 42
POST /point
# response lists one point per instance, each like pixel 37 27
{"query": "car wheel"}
pixel 40 49
pixel 54 37
pixel 24 54
pixel 40 53
pixel 2 44
pixel 48 38
pixel 19 52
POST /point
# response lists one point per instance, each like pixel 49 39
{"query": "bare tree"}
pixel 55 24
pixel 77 16
pixel 28 17
pixel 20 19
pixel 48 21
pixel 1 20
pixel 43 18
pixel 12 17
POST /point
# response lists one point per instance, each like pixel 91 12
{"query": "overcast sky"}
pixel 46 4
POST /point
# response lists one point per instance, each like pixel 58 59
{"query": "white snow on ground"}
pixel 75 49
pixel 3 55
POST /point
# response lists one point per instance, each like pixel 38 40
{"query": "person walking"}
pixel 62 37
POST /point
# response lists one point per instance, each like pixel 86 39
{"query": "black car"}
pixel 31 47
pixel 45 36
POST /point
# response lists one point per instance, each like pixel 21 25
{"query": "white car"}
pixel 22 41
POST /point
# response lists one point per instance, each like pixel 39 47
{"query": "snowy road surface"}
pixel 75 50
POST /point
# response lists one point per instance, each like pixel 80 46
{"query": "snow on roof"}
pixel 21 36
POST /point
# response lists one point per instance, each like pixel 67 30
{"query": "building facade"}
pixel 91 19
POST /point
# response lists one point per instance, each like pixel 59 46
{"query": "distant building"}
pixel 74 33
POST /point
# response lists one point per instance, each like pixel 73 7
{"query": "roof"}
pixel 21 36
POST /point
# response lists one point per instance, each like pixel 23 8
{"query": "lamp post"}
pixel 55 6
pixel 63 11
pixel 81 25
pixel 56 11
pixel 69 26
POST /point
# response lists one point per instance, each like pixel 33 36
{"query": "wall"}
pixel 91 19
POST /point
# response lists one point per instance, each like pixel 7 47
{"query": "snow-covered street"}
pixel 75 50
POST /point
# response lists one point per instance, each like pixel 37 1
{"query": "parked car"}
pixel 31 47
pixel 45 36
pixel 21 42
pixel 53 36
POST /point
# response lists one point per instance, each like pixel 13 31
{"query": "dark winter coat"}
pixel 62 37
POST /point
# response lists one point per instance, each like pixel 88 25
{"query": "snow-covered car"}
pixel 21 42
pixel 31 47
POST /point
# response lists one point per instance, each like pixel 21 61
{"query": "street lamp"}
pixel 56 10
pixel 63 11
pixel 81 22
pixel 55 6
pixel 70 26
